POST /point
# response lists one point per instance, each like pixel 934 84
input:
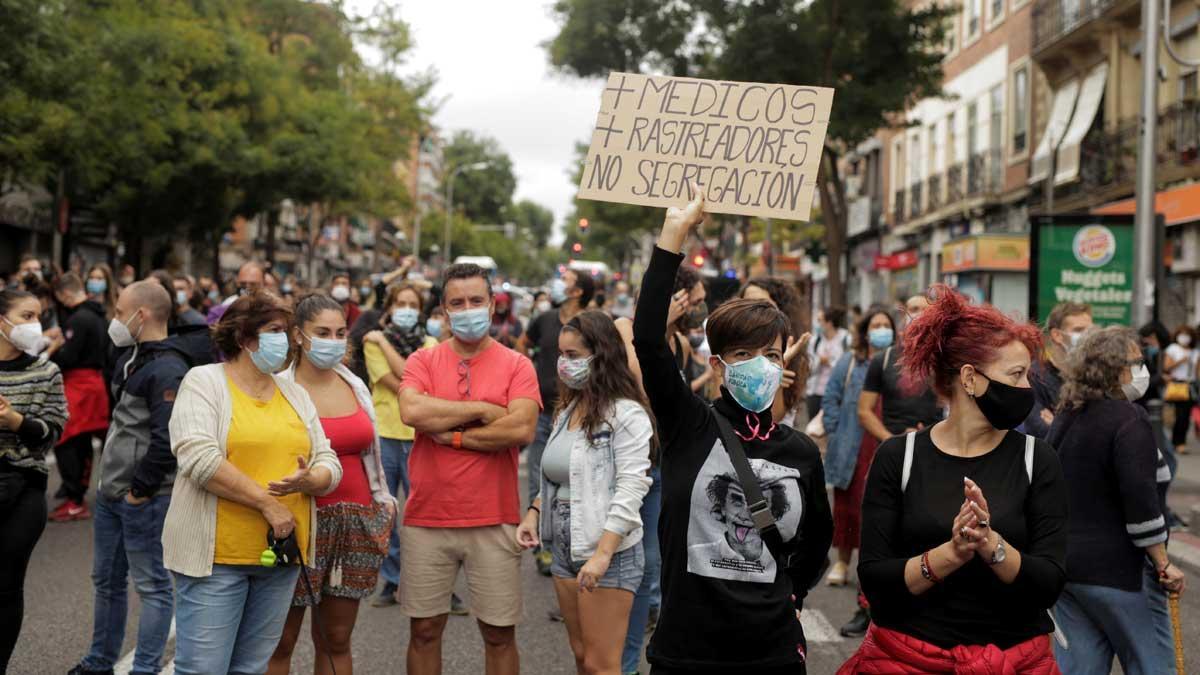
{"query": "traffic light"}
pixel 578 247
pixel 583 224
pixel 698 261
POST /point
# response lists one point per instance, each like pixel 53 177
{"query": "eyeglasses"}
pixel 464 379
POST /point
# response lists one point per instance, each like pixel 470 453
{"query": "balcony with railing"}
pixel 933 190
pixel 954 184
pixel 985 173
pixel 914 200
pixel 898 213
pixel 1053 19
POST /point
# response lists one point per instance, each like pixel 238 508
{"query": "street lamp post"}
pixel 450 201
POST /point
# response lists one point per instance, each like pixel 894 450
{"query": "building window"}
pixel 1020 110
pixel 995 124
pixel 952 34
pixel 972 130
pixel 1188 86
pixel 995 12
pixel 914 157
pixel 974 13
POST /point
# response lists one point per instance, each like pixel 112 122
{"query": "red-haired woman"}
pixel 964 524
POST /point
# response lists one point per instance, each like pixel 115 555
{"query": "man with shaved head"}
pixel 137 471
pixel 251 277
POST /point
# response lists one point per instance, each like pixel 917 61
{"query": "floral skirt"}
pixel 352 541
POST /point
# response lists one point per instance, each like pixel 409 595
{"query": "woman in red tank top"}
pixel 353 521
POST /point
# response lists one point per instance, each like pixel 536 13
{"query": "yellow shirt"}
pixel 387 406
pixel 265 438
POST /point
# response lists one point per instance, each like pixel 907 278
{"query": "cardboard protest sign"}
pixel 754 147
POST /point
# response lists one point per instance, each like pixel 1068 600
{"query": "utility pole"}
pixel 1144 249
pixel 450 203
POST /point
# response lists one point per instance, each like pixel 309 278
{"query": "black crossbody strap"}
pixel 760 509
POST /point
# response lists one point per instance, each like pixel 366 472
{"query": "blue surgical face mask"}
pixel 471 325
pixel 753 382
pixel 880 338
pixel 405 318
pixel 272 352
pixel 558 291
pixel 96 286
pixel 433 328
pixel 325 353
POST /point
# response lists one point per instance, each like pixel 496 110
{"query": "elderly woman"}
pixel 1117 563
pixel 252 455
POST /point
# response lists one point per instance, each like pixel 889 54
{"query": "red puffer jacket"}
pixel 888 652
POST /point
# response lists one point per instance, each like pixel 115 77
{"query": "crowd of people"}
pixel 269 449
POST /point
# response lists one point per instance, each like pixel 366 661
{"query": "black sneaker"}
pixel 858 625
pixel 386 597
pixel 80 670
pixel 457 606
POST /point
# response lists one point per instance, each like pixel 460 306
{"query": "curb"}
pixel 1184 549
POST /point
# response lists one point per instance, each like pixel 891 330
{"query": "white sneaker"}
pixel 837 574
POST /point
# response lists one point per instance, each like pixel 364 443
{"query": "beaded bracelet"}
pixel 927 570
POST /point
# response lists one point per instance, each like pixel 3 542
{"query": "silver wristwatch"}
pixel 998 555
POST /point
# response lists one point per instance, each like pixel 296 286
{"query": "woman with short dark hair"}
pixel 1117 566
pixel 252 455
pixel 735 569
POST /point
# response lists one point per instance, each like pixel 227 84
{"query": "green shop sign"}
pixel 1082 258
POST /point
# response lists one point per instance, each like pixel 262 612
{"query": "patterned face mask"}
pixel 753 382
pixel 574 372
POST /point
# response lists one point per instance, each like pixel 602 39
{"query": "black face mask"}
pixel 1004 405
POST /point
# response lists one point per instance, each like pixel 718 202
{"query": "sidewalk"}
pixel 1184 500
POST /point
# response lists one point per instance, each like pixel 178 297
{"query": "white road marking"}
pixel 123 666
pixel 1185 553
pixel 817 628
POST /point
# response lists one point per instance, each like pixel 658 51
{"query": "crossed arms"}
pixel 501 428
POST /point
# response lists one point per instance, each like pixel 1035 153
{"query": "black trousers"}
pixel 1183 417
pixel 75 466
pixel 21 525
pixel 812 405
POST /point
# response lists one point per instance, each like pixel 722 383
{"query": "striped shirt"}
pixel 34 388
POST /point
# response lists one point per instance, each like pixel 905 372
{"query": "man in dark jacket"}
pixel 137 470
pixel 81 352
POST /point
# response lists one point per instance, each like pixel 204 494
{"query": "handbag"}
pixel 1178 392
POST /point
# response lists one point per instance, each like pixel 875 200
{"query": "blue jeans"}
pixel 128 543
pixel 231 620
pixel 1101 622
pixel 533 453
pixel 395 475
pixel 647 595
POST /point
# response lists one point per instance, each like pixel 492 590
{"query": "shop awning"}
pixel 1177 206
pixel 1085 113
pixel 985 253
pixel 1060 118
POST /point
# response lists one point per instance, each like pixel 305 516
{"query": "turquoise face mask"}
pixel 405 318
pixel 325 353
pixel 753 382
pixel 96 286
pixel 272 352
pixel 880 338
pixel 471 325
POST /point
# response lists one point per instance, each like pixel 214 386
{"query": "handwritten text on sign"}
pixel 754 147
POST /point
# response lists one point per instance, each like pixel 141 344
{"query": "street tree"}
pixel 484 195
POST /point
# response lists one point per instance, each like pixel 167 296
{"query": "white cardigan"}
pixel 372 459
pixel 199 428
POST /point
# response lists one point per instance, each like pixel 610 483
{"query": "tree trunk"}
pixel 272 217
pixel 833 208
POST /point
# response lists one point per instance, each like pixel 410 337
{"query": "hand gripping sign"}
pixel 754 147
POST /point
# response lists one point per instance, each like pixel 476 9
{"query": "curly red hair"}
pixel 951 333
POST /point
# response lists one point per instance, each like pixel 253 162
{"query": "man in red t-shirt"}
pixel 473 403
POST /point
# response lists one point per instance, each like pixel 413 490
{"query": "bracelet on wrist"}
pixel 927 570
pixel 534 508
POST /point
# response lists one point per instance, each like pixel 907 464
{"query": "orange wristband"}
pixel 457 442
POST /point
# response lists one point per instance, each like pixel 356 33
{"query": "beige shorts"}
pixel 431 558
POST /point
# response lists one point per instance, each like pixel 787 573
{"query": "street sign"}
pixel 1082 258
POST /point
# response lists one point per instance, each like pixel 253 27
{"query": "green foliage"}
pixel 485 194
pixel 531 217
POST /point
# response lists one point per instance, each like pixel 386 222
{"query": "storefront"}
pixel 903 280
pixel 990 268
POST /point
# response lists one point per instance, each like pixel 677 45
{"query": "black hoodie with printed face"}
pixel 726 604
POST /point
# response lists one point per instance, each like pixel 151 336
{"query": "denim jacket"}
pixel 608 480
pixel 840 408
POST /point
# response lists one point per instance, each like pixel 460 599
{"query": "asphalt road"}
pixel 58 617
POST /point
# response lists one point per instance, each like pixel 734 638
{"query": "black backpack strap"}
pixel 760 509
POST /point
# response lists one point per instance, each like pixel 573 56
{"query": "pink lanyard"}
pixel 754 428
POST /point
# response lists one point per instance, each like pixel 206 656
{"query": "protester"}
pixel 235 428
pixel 570 294
pixel 830 342
pixel 1118 531
pixel 183 290
pixel 960 578
pixel 137 471
pixel 128 275
pixel 33 411
pixel 353 521
pixel 435 325
pixel 723 579
pixel 81 352
pixel 506 327
pixel 541 303
pixel 1065 327
pixel 251 278
pixel 783 296
pixel 473 403
pixel 903 410
pixel 1180 367
pixel 339 289
pixel 385 352
pixel 31 266
pixel 364 293
pixel 849 452
pixel 623 303
pixel 102 288
pixel 592 485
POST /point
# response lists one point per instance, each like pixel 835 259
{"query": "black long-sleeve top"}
pixel 972 606
pixel 1110 459
pixel 86 333
pixel 726 604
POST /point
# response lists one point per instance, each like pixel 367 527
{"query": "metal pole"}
pixel 1143 228
pixel 417 213
pixel 449 215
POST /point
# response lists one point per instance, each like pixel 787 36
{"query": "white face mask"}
pixel 1184 340
pixel 119 333
pixel 1073 340
pixel 1136 388
pixel 340 293
pixel 26 337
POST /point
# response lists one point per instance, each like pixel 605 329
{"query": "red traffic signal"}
pixel 578 247
pixel 698 261
pixel 583 223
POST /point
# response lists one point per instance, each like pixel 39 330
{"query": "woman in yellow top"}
pixel 385 351
pixel 252 454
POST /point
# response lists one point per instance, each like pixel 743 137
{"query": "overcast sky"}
pixel 493 77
